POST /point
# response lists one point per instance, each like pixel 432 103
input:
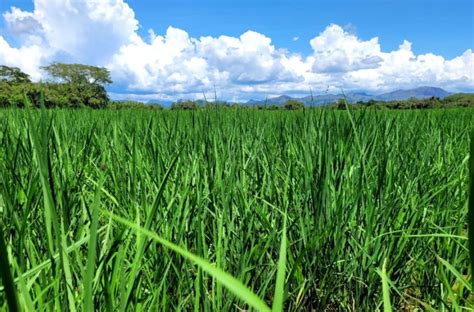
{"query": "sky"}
pixel 182 49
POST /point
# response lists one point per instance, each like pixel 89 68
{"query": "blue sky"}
pixel 441 27
pixel 439 37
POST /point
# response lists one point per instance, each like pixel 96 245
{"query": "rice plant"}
pixel 234 209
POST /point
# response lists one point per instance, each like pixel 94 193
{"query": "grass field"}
pixel 314 209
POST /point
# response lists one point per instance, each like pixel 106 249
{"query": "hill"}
pixel 417 93
pixel 353 97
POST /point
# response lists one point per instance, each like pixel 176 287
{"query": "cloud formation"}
pixel 174 65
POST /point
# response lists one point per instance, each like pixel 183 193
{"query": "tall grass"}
pixel 220 210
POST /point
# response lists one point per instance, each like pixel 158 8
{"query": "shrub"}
pixel 184 105
pixel 293 105
pixel 117 105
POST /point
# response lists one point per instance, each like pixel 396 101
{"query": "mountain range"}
pixel 352 97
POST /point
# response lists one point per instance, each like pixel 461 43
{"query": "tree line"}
pixel 68 86
pixel 78 85
pixel 200 104
pixel 457 100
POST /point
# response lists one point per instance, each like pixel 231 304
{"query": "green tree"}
pixel 459 99
pixel 79 74
pixel 13 75
pixel 371 102
pixel 86 84
pixel 5 94
pixel 341 104
pixel 293 105
pixel 185 105
pixel 117 105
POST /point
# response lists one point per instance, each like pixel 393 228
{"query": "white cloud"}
pixel 174 65
pixel 336 50
pixel 403 69
pixel 296 38
pixel 21 22
pixel 80 31
pixel 29 58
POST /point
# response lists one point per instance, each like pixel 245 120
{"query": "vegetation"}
pixel 293 105
pixel 308 209
pixel 184 105
pixel 452 101
pixel 13 75
pixel 342 103
pixel 116 105
pixel 72 86
pixel 79 86
pixel 459 100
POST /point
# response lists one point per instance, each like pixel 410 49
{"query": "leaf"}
pixel 470 216
pixel 231 283
pixel 387 306
pixel 455 272
pixel 280 281
pixel 6 275
pixel 91 254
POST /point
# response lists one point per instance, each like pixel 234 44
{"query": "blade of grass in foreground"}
pixel 280 281
pixel 141 241
pixel 231 283
pixel 5 273
pixel 470 218
pixel 387 306
pixel 91 255
pixel 45 264
pixel 455 272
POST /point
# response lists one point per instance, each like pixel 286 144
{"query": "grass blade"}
pixel 91 254
pixel 6 275
pixel 470 217
pixel 141 241
pixel 455 272
pixel 280 281
pixel 231 283
pixel 387 306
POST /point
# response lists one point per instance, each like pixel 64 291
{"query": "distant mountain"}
pixel 316 100
pixel 419 93
pixel 352 97
pixel 276 100
pixel 332 98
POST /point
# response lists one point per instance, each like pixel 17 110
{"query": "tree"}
pixel 371 102
pixel 117 105
pixel 184 105
pixel 13 75
pixel 341 104
pixel 459 99
pixel 86 83
pixel 293 104
pixel 5 94
pixel 79 74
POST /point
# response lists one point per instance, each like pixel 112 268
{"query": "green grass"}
pixel 222 210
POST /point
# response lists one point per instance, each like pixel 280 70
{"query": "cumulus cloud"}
pixel 21 23
pixel 29 58
pixel 336 50
pixel 89 31
pixel 174 65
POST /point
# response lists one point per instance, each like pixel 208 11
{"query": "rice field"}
pixel 234 210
